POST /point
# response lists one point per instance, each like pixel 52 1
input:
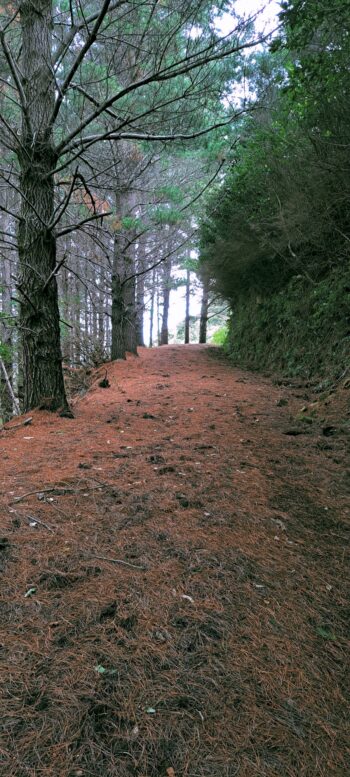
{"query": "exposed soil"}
pixel 173 566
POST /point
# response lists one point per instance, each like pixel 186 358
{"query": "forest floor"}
pixel 173 565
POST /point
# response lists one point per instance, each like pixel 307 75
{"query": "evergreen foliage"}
pixel 276 233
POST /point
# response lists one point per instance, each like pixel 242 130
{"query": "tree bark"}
pixel 39 313
pixel 129 294
pixel 6 330
pixel 118 313
pixel 187 313
pixel 203 323
pixel 130 316
pixel 140 297
pixel 164 332
pixel 151 315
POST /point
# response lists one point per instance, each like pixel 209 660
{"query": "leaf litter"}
pixel 213 650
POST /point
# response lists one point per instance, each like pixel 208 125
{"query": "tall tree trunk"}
pixel 140 307
pixel 6 330
pixel 203 323
pixel 151 315
pixel 187 313
pixel 64 287
pixel 140 296
pixel 77 312
pixel 129 292
pixel 118 313
pixel 130 331
pixel 164 332
pixel 158 308
pixel 37 287
pixel 119 288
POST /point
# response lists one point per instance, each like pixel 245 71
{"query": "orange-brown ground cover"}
pixel 219 647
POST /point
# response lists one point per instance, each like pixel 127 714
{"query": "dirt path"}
pixel 218 647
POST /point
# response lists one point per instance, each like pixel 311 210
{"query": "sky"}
pixel 245 8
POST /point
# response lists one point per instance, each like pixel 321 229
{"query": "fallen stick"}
pixel 42 491
pixel 118 561
pixel 26 422
pixel 57 491
pixel 36 520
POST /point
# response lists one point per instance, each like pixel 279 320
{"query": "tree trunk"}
pixel 118 313
pixel 37 287
pixel 129 293
pixel 123 291
pixel 130 317
pixel 151 315
pixel 140 297
pixel 6 331
pixel 140 306
pixel 187 313
pixel 77 313
pixel 64 295
pixel 203 324
pixel 164 332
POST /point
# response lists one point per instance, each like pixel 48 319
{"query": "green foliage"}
pixel 128 222
pixel 275 236
pixel 5 352
pixel 171 193
pixel 220 337
pixel 302 330
pixel 167 216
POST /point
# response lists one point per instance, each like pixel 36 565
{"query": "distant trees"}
pixel 72 78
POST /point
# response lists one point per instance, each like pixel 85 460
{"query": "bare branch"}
pixel 181 67
pixel 65 203
pixel 16 76
pixel 54 272
pixel 73 227
pixel 76 28
pixel 82 53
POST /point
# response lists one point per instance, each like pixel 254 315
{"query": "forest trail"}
pixel 218 647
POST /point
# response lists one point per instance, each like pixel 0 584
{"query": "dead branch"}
pixel 118 561
pixel 36 520
pixel 26 422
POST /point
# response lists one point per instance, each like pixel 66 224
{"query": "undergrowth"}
pixel 303 330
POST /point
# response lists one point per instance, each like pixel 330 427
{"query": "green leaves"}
pixel 171 193
pixel 325 633
pixel 170 216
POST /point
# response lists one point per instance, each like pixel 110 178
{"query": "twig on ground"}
pixel 32 519
pixel 42 491
pixel 118 561
pixel 26 422
pixel 57 491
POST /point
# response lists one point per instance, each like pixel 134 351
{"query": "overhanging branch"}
pixel 181 67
